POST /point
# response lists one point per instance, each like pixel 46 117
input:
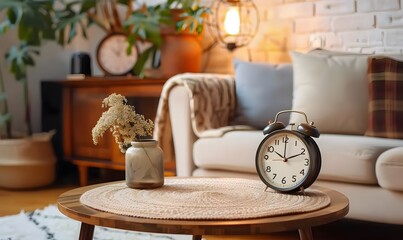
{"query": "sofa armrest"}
pixel 389 169
pixel 198 105
pixel 182 132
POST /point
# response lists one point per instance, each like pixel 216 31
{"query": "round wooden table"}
pixel 69 204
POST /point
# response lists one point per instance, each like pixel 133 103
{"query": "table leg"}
pixel 197 237
pixel 86 231
pixel 305 233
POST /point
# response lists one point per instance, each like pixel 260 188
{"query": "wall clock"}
pixel 288 160
pixel 112 57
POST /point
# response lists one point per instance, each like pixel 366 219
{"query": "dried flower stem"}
pixel 122 120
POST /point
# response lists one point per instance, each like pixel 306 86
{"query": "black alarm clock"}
pixel 288 160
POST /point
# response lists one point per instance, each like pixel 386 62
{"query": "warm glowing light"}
pixel 232 21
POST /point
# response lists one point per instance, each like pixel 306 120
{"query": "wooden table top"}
pixel 69 204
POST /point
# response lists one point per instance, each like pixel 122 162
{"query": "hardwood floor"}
pixel 12 201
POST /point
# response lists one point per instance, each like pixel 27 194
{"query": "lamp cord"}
pixel 207 51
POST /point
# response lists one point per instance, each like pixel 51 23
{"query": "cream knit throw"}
pixel 202 199
pixel 212 105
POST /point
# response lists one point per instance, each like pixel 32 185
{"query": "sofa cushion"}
pixel 262 90
pixel 345 158
pixel 385 80
pixel 332 90
pixel 351 158
pixel 389 169
pixel 235 151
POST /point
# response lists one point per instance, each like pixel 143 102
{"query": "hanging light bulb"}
pixel 234 22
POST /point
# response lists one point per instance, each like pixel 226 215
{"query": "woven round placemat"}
pixel 202 199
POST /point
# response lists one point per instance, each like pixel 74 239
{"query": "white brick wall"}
pixel 334 7
pixel 368 26
pixel 314 24
pixel 294 10
pixel 377 5
pixel 389 20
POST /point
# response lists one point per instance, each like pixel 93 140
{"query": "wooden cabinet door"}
pixel 82 101
pixel 86 110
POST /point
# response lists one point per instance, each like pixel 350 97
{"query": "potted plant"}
pixel 36 22
pixel 154 25
pixel 171 27
pixel 27 161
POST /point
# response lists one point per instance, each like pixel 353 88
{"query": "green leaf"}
pixel 72 33
pixel 28 60
pixel 87 5
pixel 138 68
pixel 12 15
pixel 19 58
pixel 146 26
pixel 67 24
pixel 131 39
pixel 61 37
pixel 83 31
pixel 4 26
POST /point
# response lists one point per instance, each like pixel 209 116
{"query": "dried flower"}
pixel 125 124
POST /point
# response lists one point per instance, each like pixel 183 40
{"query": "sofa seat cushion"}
pixel 389 169
pixel 345 158
pixel 235 151
pixel 351 158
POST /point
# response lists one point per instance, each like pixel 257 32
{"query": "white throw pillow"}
pixel 332 90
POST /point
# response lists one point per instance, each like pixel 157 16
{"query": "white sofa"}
pixel 368 170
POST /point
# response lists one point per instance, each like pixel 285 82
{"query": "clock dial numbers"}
pixel 288 160
pixel 288 169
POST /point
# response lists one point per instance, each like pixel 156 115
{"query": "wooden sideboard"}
pixel 81 109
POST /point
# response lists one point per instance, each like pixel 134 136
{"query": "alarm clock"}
pixel 288 160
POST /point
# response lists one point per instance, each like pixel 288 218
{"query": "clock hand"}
pixel 285 146
pixel 296 155
pixel 278 154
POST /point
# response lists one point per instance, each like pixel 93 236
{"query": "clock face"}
pixel 112 56
pixel 286 160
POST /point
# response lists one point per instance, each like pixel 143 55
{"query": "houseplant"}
pixel 27 161
pixel 60 21
pixel 144 23
pixel 37 21
pixel 158 23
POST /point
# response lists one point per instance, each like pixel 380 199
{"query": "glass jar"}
pixel 144 165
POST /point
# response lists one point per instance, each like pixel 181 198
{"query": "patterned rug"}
pixel 50 224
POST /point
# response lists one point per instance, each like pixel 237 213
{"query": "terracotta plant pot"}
pixel 181 51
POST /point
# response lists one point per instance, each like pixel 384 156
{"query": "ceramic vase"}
pixel 180 53
pixel 144 165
